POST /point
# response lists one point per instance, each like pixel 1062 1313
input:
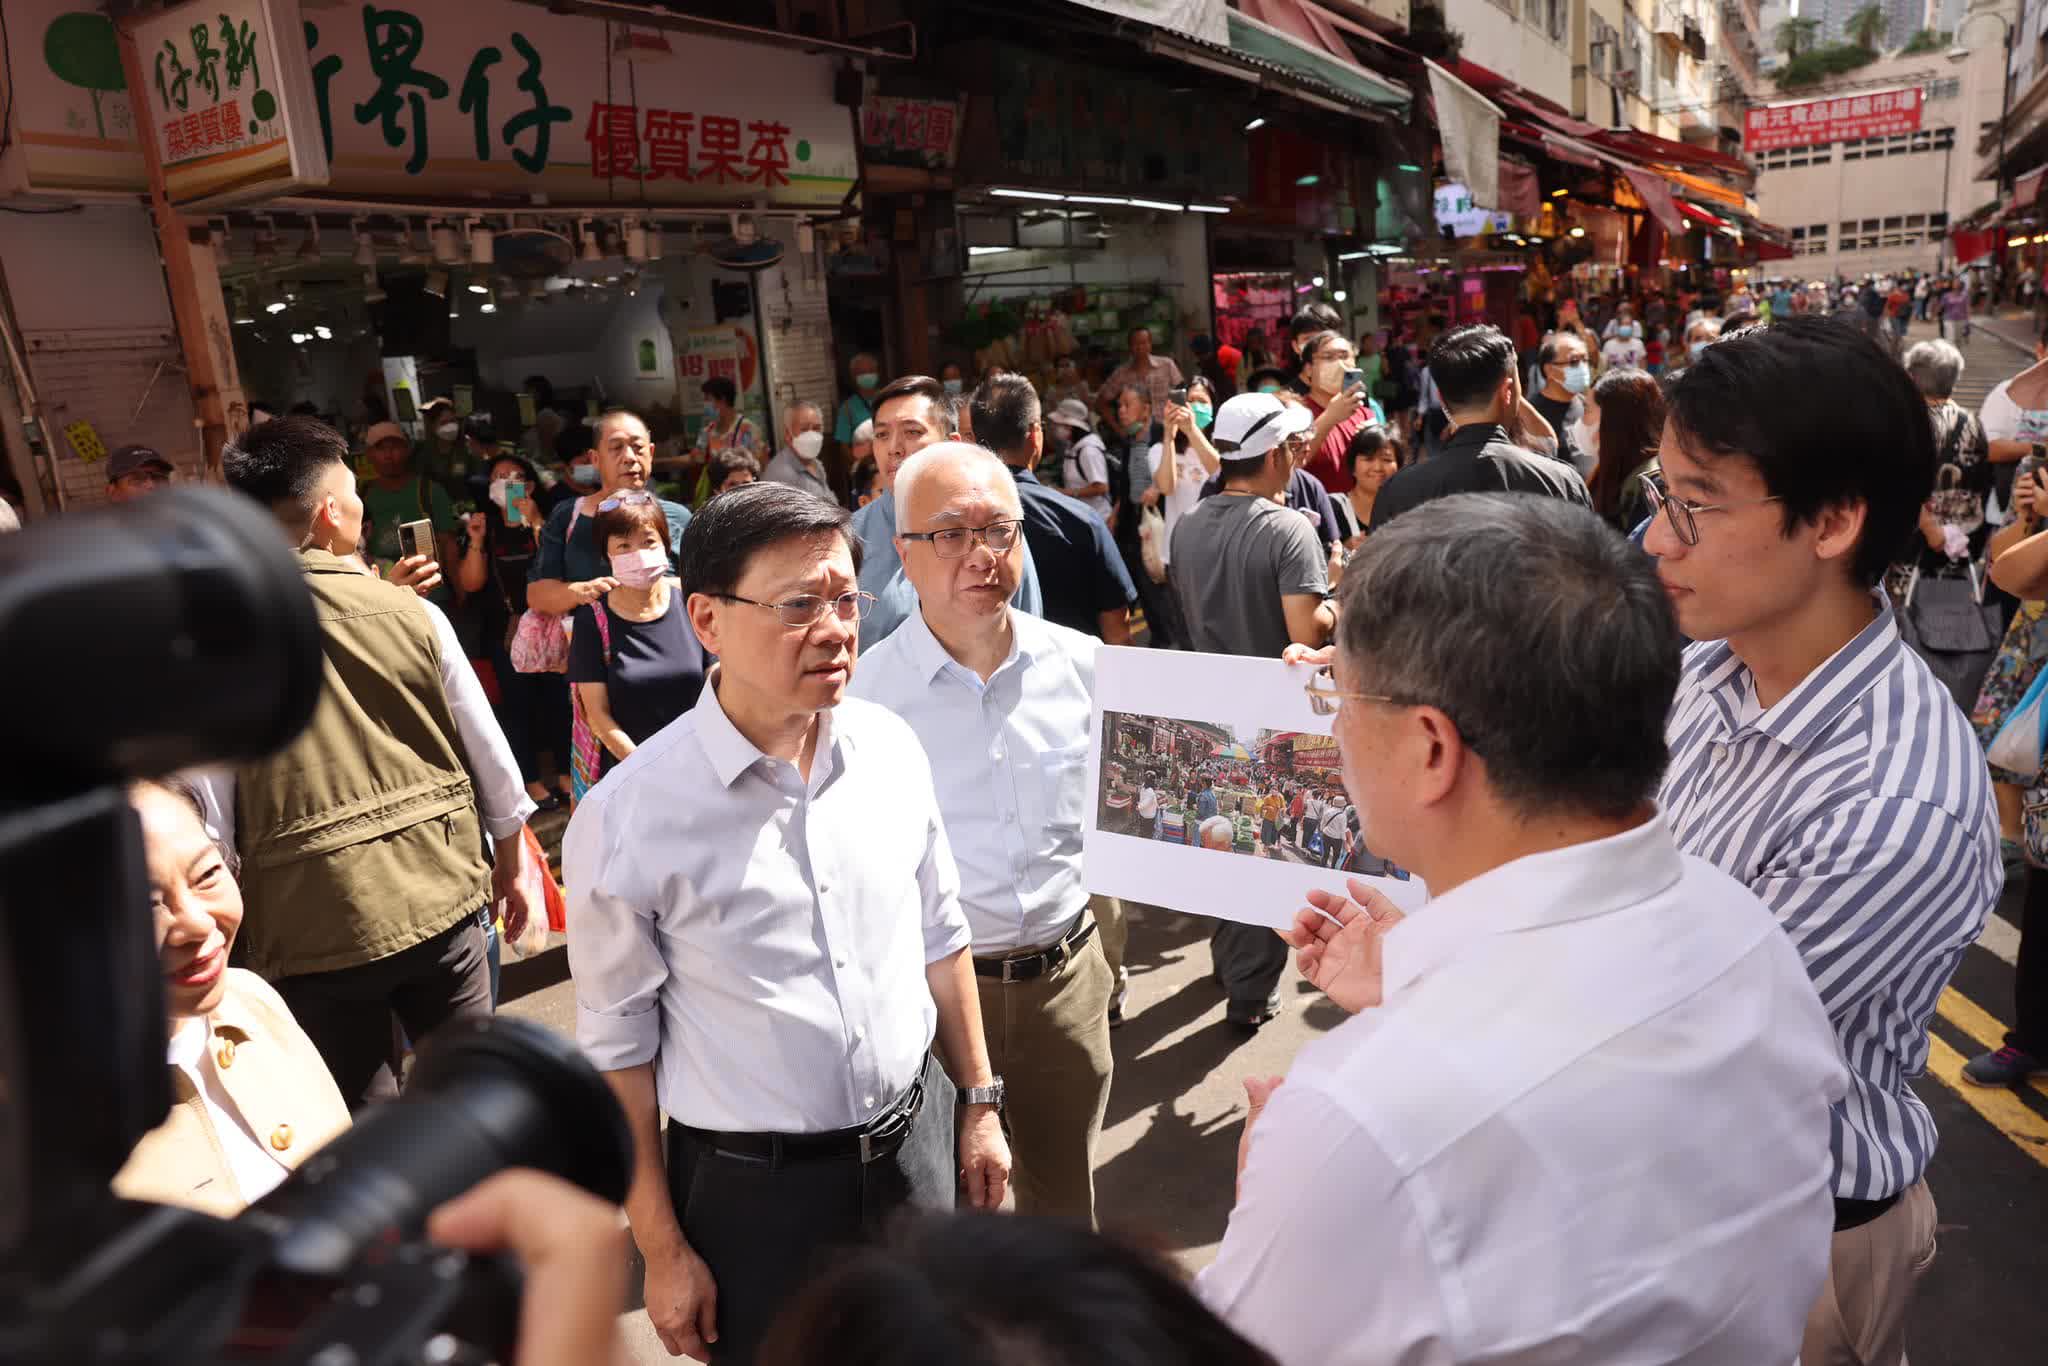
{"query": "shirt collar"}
pixel 1537 892
pixel 1475 436
pixel 930 658
pixel 731 753
pixel 1023 475
pixel 1805 713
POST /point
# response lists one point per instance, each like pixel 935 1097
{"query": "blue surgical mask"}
pixel 952 386
pixel 1577 377
pixel 1698 349
pixel 1625 331
pixel 585 475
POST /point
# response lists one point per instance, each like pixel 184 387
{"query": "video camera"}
pixel 167 633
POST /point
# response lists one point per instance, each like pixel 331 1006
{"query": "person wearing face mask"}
pixel 797 463
pixel 866 376
pixel 400 494
pixel 442 454
pixel 1700 333
pixel 634 661
pixel 1177 478
pixel 1624 348
pixel 1339 409
pixel 251 1098
pixel 953 379
pixel 572 567
pixel 1623 422
pixel 1567 372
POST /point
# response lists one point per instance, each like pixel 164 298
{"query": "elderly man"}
pixel 1152 375
pixel 766 941
pixel 1567 371
pixel 859 405
pixel 1002 702
pixel 1638 1169
pixel 136 472
pixel 1218 833
pixel 797 463
pixel 911 413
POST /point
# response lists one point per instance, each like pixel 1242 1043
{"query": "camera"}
pixel 330 1267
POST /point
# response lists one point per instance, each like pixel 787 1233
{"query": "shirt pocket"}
pixel 1063 786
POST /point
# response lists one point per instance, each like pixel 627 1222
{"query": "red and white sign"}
pixel 1814 123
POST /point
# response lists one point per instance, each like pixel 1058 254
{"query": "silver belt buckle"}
pixel 1010 970
pixel 867 1146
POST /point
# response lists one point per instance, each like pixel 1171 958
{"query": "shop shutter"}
pixel 129 384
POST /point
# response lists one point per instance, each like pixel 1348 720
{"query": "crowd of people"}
pixel 1639 674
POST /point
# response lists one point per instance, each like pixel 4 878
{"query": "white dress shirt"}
pixel 762 939
pixel 1589 1123
pixel 501 798
pixel 1010 762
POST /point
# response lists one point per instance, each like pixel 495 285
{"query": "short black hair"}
pixel 1828 418
pixel 1141 327
pixel 723 538
pixel 1314 318
pixel 1004 410
pixel 481 426
pixel 576 438
pixel 281 462
pixel 1468 363
pixel 720 388
pixel 922 386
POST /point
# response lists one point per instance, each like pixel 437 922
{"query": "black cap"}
pixel 128 459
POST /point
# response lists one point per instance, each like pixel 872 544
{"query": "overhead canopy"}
pixel 1266 43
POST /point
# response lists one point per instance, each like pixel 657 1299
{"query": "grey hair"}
pixel 1543 634
pixel 1702 327
pixel 1935 366
pixel 802 405
pixel 1220 824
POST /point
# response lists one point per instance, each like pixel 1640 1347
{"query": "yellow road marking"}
pixel 2006 1111
pixel 1977 1022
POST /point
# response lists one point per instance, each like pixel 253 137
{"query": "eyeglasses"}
pixel 956 542
pixel 1324 696
pixel 808 610
pixel 1683 512
pixel 627 499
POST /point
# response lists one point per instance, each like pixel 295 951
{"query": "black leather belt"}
pixel 870 1142
pixel 1023 967
pixel 1856 1213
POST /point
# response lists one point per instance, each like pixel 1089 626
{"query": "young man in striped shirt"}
pixel 1816 758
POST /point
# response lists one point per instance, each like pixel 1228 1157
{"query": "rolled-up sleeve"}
pixel 614 942
pixel 501 796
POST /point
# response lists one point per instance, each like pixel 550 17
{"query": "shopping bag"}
pixel 540 644
pixel 2018 745
pixel 545 910
pixel 1152 544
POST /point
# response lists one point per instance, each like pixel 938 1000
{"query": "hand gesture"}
pixel 590 590
pixel 984 1157
pixel 572 1248
pixel 1345 404
pixel 420 573
pixel 1178 418
pixel 529 512
pixel 474 526
pixel 1344 959
pixel 1318 655
pixel 682 1304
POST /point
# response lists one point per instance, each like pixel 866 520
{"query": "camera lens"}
pixel 484 1095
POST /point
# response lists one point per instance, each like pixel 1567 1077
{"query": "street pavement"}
pixel 1169 1142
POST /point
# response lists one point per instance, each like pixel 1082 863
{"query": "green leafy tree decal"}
pixel 80 50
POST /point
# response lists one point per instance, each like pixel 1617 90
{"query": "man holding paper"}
pixel 1582 1111
pixel 1002 702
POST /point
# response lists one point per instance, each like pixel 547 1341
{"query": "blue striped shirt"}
pixel 1859 810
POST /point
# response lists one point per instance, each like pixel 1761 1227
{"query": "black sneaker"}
pixel 1250 1015
pixel 2007 1066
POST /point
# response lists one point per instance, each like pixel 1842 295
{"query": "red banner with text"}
pixel 1816 123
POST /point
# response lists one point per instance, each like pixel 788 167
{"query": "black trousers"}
pixel 2029 1033
pixel 347 1013
pixel 1249 959
pixel 765 1230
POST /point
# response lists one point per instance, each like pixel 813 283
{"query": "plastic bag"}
pixel 2018 745
pixel 545 908
pixel 1152 543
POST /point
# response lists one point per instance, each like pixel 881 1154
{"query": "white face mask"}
pixel 639 568
pixel 498 488
pixel 807 444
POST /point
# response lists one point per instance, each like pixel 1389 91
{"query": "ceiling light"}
pixel 635 240
pixel 1316 283
pixel 2015 241
pixel 1156 204
pixel 275 303
pixel 301 338
pixel 1309 179
pixel 1254 125
pixel 987 251
pixel 490 303
pixel 479 287
pixel 323 332
pixel 654 243
pixel 1352 255
pixel 1026 194
pixel 2040 238
pixel 1559 194
pixel 591 250
pixel 437 283
pixel 266 238
pixel 411 253
pixel 1096 199
pixel 373 289
pixel 482 251
pixel 744 230
pixel 309 250
pixel 1209 208
pixel 1340 296
pixel 447 244
pixel 1408 166
pixel 366 250
pixel 1578 232
pixel 632 284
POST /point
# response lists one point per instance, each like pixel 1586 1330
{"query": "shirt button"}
pixel 868 1101
pixel 281 1137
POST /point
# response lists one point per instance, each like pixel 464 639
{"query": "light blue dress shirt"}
pixel 881 573
pixel 763 939
pixel 1010 761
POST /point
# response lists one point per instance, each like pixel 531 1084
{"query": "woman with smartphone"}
pixel 1337 397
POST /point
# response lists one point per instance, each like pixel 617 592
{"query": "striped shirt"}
pixel 1859 810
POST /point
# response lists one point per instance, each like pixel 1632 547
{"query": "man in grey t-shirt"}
pixel 1252 579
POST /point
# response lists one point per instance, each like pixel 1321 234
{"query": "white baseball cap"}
pixel 1251 425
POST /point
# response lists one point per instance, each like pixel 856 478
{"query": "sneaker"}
pixel 2007 1066
pixel 1251 1016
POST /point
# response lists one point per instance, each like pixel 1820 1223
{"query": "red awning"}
pixel 1700 215
pixel 1649 147
pixel 1563 123
pixel 2027 188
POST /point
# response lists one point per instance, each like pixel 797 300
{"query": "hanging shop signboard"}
pixel 432 99
pixel 1815 123
pixel 1459 216
pixel 901 130
pixel 228 100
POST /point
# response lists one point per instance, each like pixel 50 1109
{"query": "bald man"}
pixel 1001 700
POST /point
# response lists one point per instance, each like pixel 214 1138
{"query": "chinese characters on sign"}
pixel 618 133
pixel 216 124
pixel 896 130
pixel 1819 122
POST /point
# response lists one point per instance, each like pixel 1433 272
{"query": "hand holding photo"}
pixel 1226 800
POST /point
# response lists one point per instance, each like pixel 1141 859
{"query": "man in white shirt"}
pixel 1581 1113
pixel 1002 701
pixel 797 463
pixel 1148 808
pixel 766 940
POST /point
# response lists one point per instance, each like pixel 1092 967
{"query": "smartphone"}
pixel 416 538
pixel 1354 379
pixel 514 493
pixel 1178 395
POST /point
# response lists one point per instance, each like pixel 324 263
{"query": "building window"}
pixel 1946 88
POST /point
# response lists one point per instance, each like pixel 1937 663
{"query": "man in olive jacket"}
pixel 363 863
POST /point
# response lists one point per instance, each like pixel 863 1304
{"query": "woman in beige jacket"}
pixel 250 1097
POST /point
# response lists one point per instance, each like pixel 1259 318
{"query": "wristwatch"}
pixel 992 1094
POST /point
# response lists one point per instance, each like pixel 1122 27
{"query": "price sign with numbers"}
pixel 85 442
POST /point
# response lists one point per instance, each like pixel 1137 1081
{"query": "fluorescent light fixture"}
pixel 1407 166
pixel 479 287
pixel 1156 204
pixel 1026 194
pixel 1559 194
pixel 1254 124
pixel 1353 255
pixel 1310 179
pixel 1096 199
pixel 987 251
pixel 2015 241
pixel 1208 208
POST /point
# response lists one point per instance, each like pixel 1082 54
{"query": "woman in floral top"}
pixel 725 430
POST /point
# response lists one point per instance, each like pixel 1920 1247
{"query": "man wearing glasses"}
pixel 767 943
pixel 1817 759
pixel 136 472
pixel 1002 702
pixel 1580 1111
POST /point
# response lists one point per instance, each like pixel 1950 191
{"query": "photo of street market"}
pixel 1274 794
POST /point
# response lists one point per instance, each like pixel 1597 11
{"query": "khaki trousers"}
pixel 1113 931
pixel 1048 1039
pixel 1860 1318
